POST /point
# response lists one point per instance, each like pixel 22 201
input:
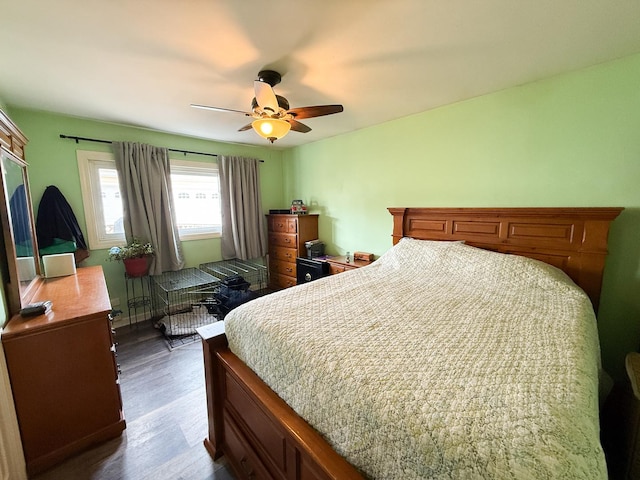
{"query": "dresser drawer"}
pixel 282 281
pixel 283 224
pixel 282 267
pixel 283 240
pixel 333 268
pixel 283 253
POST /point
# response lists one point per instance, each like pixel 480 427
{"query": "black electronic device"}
pixel 315 248
pixel 37 308
pixel 308 270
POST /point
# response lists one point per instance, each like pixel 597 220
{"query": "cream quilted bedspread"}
pixel 439 360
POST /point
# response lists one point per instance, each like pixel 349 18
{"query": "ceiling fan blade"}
pixel 298 127
pixel 265 96
pixel 218 109
pixel 316 111
pixel 248 126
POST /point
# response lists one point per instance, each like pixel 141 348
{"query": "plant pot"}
pixel 136 267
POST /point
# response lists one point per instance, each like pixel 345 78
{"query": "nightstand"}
pixel 340 264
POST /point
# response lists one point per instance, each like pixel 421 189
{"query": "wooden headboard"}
pixel 572 239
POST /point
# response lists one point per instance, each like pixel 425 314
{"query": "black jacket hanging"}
pixel 56 220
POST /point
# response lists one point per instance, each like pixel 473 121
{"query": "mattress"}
pixel 439 360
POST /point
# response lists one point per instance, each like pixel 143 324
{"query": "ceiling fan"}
pixel 272 116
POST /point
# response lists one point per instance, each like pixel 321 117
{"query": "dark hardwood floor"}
pixel 165 410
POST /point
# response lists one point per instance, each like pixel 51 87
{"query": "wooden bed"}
pixel 264 438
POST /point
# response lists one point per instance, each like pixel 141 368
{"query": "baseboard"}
pixel 125 321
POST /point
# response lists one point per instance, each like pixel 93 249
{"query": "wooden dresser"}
pixel 287 236
pixel 63 371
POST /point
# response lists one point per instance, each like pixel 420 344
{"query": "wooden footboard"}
pixel 261 436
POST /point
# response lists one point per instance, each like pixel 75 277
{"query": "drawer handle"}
pixel 287 240
pixel 289 269
pixel 247 468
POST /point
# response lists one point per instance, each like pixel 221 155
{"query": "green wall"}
pixel 52 161
pixel 573 140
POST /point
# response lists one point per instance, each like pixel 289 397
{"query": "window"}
pixel 196 219
pixel 191 183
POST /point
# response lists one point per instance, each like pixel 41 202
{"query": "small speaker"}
pixel 59 265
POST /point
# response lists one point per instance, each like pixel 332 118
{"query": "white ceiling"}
pixel 143 62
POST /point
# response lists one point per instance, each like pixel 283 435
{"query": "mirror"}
pixel 18 226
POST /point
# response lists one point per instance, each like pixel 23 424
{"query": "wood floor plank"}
pixel 165 410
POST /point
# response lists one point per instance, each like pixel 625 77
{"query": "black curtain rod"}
pixel 96 140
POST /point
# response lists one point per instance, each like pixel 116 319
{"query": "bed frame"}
pixel 262 437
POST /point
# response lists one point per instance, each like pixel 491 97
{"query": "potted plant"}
pixel 134 255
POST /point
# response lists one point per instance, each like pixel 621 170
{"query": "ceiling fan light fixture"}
pixel 273 117
pixel 271 128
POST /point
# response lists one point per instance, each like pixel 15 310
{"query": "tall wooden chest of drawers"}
pixel 287 235
pixel 63 371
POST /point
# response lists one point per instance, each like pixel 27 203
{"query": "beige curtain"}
pixel 147 201
pixel 243 221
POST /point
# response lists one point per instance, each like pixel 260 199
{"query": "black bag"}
pixel 234 291
pixel 236 282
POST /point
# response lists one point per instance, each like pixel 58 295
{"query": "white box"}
pixel 59 265
pixel 26 268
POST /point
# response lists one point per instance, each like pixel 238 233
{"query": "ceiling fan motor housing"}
pixel 269 76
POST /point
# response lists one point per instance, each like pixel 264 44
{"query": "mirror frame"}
pixel 18 293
